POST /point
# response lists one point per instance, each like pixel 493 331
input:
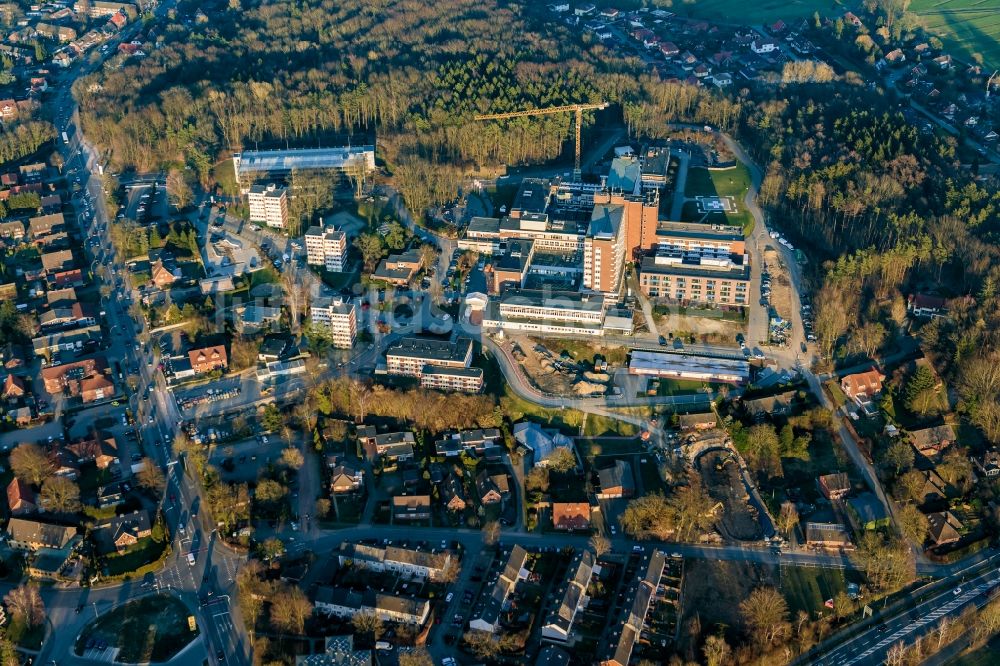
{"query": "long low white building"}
pixel 538 311
pixel 686 366
pixel 252 164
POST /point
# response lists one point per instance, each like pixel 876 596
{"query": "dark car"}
pixel 663 341
pixel 220 655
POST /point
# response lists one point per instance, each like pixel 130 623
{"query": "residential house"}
pixel 762 46
pixel 618 652
pixel 834 486
pixel 669 49
pixel 453 493
pixel 988 464
pixel 397 446
pixel 616 481
pixel 98 449
pixel 68 378
pixel 21 499
pixel 163 277
pixel 541 442
pixel 110 495
pixel 862 386
pixel 398 269
pixel 13 388
pixel 697 421
pixel 930 442
pixel 559 623
pixel 252 319
pixel 925 305
pixel 480 439
pixel 571 515
pixel 935 489
pixel 408 562
pixel 121 532
pixel 943 528
pixel 411 507
pixel 31 535
pixel 491 488
pixel 828 536
pixel 346 478
pixel 774 405
pixel 96 388
pixel 207 359
pixel 346 603
pixel 514 570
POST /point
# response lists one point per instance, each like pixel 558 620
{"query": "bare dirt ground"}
pixel 713 590
pixel 737 521
pixel 706 329
pixel 781 286
pixel 542 371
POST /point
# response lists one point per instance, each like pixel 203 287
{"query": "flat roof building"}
pixel 438 364
pixel 326 247
pixel 699 275
pixel 688 366
pixel 251 164
pixel 268 205
pixel 604 251
pixel 546 312
pixel 339 317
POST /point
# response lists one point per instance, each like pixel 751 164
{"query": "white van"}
pixel 191 559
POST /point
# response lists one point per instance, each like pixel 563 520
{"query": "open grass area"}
pixel 967 27
pixel 150 629
pixel 142 553
pixel 807 588
pixel 597 426
pixel 682 386
pixel 762 11
pixel 590 448
pixel 516 408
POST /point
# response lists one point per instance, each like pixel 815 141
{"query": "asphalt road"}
pixel 872 646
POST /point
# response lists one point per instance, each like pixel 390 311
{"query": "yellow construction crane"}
pixel 577 108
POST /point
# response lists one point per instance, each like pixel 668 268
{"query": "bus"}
pixel 65 138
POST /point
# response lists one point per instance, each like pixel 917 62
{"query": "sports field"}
pixel 967 26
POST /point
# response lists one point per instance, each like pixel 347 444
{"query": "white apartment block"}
pixel 339 317
pixel 268 205
pixel 326 247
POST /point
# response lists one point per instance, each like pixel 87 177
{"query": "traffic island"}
pixel 151 629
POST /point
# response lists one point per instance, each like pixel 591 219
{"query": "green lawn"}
pixel 598 425
pixel 590 448
pixel 807 588
pixel 517 409
pixel 759 12
pixel 968 27
pixel 150 629
pixel 682 386
pixel 139 555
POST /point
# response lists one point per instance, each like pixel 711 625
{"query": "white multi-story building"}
pixel 268 205
pixel 339 316
pixel 538 311
pixel 326 247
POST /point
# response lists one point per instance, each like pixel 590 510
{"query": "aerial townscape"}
pixel 496 332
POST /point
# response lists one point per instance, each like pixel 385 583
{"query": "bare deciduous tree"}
pixel 25 604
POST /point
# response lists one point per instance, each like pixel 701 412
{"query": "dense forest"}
pixel 305 71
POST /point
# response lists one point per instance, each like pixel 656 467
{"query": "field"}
pixel 730 185
pixel 756 13
pixel 967 26
pixel 807 588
